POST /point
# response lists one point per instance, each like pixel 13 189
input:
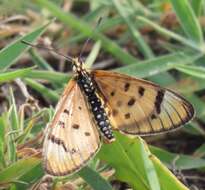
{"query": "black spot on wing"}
pixel 112 93
pixel 87 134
pixel 141 91
pixel 159 100
pixel 58 141
pixel 114 112
pixel 126 87
pixel 153 116
pixel 131 102
pixel 75 126
pixel 127 115
pixel 66 111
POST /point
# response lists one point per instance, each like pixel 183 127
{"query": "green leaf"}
pixel 188 20
pixel 14 128
pixel 125 169
pixel 198 103
pixel 149 167
pixel 133 164
pixel 142 69
pixel 196 71
pixel 32 175
pixel 52 76
pixel 158 65
pixel 94 179
pixel 38 60
pixel 197 6
pixel 14 113
pixel 2 143
pixel 93 55
pixel 184 162
pixel 10 54
pixel 18 169
pixel 200 152
pixel 167 180
pixel 11 75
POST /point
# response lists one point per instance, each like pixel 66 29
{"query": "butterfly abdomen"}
pixel 86 84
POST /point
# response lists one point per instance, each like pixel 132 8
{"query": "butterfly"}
pixel 94 103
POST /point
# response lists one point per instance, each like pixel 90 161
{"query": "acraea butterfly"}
pixel 94 104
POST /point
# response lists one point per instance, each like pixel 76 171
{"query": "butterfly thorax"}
pixel 90 91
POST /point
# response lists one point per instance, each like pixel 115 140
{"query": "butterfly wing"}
pixel 141 107
pixel 72 137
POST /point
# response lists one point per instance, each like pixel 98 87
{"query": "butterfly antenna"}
pixel 88 39
pixel 69 58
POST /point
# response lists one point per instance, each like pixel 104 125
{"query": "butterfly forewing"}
pixel 72 138
pixel 140 107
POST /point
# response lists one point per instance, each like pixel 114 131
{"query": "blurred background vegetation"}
pixel 159 40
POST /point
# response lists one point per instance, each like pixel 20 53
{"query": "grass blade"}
pixel 93 55
pixel 158 65
pixel 94 179
pixel 18 169
pixel 52 76
pixel 196 71
pixel 188 20
pixel 167 180
pixel 14 114
pixel 77 24
pixel 18 48
pixel 183 162
pixel 47 93
pixel 197 6
pixel 144 48
pixel 171 34
pixel 38 60
pixel 151 174
pixel 11 75
pixel 2 141
pixel 200 152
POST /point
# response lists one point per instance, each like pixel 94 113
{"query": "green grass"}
pixel 181 51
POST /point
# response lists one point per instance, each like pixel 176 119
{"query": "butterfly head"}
pixel 78 65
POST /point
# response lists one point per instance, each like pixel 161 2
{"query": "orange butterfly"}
pixel 97 102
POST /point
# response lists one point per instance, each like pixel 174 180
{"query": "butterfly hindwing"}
pixel 72 138
pixel 140 107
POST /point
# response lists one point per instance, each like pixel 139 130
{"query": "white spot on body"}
pixel 104 128
pixel 99 116
pixel 102 123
